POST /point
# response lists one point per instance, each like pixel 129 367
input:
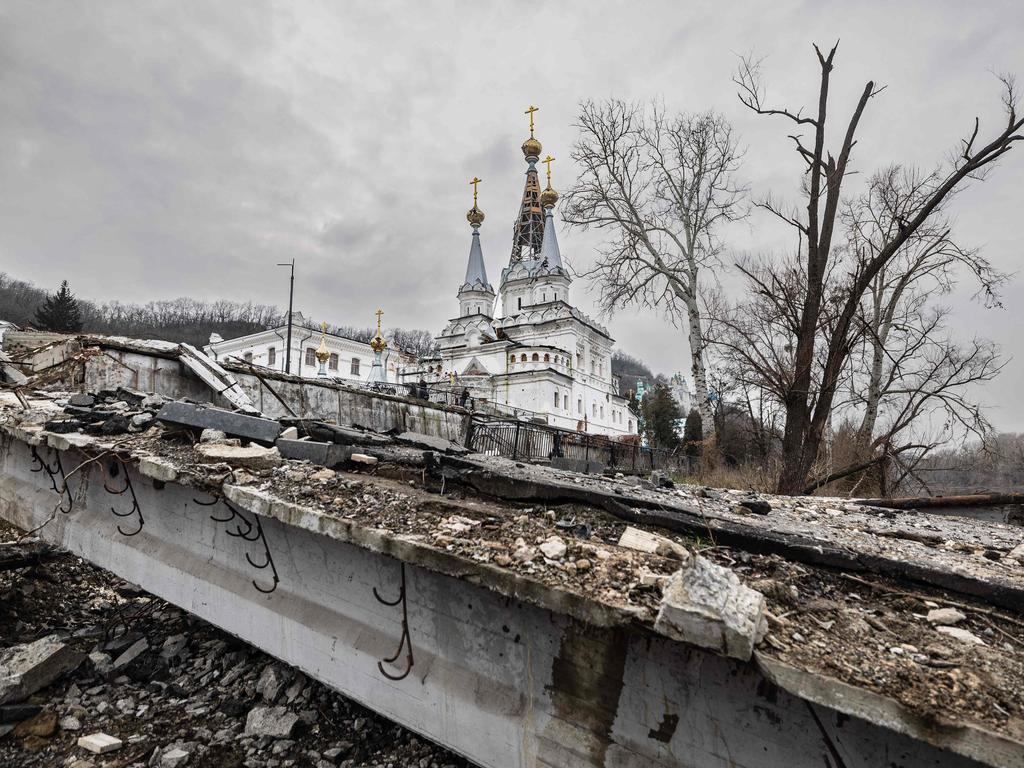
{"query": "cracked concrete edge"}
pixel 414 551
pixel 967 740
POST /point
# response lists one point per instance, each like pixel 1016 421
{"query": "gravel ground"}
pixel 191 690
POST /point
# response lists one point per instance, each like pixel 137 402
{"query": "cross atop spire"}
pixel 548 161
pixel 530 112
pixel 474 182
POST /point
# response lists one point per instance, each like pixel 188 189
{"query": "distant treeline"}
pixel 181 319
pixel 997 464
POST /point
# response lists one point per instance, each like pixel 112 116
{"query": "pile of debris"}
pixel 94 671
pixel 108 413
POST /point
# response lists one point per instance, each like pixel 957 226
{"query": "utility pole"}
pixel 291 295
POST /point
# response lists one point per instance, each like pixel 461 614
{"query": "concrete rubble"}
pixel 893 605
pixel 24 669
pixel 706 605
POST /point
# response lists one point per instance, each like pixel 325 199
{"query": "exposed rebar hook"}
pixel 406 639
pixel 247 530
pixel 118 465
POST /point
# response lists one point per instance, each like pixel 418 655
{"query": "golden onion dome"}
pixel 377 343
pixel 548 197
pixel 531 148
pixel 475 216
pixel 322 353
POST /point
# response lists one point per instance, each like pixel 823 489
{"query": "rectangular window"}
pixel 593 410
pixel 579 406
pixel 248 357
pixel 354 370
pixel 556 399
pixel 272 356
pixel 310 356
pixel 332 363
pixel 520 300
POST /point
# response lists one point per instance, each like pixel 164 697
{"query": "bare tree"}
pixel 825 333
pixel 661 187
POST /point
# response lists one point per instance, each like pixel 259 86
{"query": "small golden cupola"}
pixel 322 353
pixel 475 216
pixel 377 343
pixel 531 147
pixel 549 196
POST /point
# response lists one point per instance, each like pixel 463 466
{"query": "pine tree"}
pixel 60 312
pixel 661 413
pixel 693 433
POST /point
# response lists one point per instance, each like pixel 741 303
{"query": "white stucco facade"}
pixel 350 360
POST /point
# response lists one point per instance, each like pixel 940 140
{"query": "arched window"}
pixel 556 398
pixel 579 406
pixel 547 358
pixel 536 357
pixel 630 425
pixel 522 358
pixel 511 359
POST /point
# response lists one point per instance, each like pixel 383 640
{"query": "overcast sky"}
pixel 156 149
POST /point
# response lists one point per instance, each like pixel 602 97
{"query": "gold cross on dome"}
pixel 474 182
pixel 530 112
pixel 548 161
pixel 379 313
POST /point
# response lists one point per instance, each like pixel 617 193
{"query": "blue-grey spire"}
pixel 476 273
pixel 549 247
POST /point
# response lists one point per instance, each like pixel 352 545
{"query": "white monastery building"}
pixel 345 359
pixel 538 356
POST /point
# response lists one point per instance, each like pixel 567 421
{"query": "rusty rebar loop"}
pixel 44 466
pixel 405 640
pixel 247 530
pixel 67 501
pixel 118 465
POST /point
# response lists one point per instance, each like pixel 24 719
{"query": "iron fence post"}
pixel 515 442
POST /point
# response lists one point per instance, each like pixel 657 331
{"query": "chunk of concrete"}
pixel 652 543
pixel 24 669
pixel 174 758
pixel 706 605
pixel 363 458
pixel 963 635
pixel 248 456
pixel 200 417
pixel 275 722
pixel 99 743
pixel 324 454
pixel 133 652
pixel 945 616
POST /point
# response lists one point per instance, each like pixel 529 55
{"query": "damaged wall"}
pixel 503 682
pixel 111 367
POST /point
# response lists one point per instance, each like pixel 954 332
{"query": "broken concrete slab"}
pixel 315 452
pixel 363 458
pixel 248 456
pixel 336 433
pixel 200 417
pixel 706 605
pixel 24 669
pixel 583 466
pixel 275 722
pixel 431 443
pixel 99 743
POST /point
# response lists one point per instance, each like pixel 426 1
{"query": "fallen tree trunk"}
pixel 926 502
